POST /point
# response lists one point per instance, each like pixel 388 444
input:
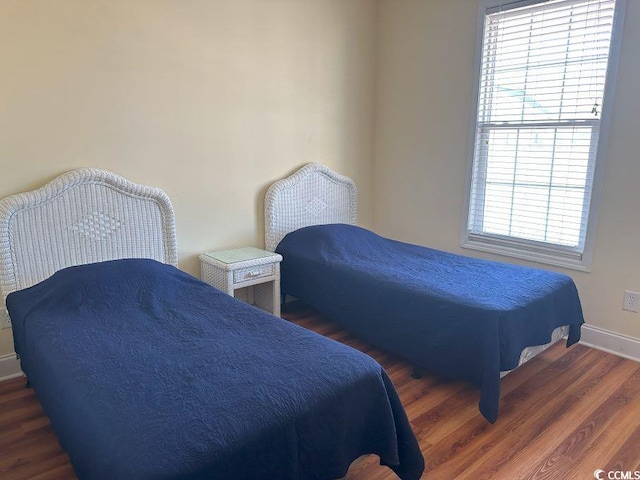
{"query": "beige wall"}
pixel 424 86
pixel 210 100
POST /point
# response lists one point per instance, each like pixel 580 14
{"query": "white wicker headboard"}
pixel 314 195
pixel 83 216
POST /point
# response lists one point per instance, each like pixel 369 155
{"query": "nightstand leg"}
pixel 275 297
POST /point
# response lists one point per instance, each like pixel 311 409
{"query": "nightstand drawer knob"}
pixel 253 274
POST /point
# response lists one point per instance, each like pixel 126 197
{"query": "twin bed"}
pixel 460 317
pixel 148 373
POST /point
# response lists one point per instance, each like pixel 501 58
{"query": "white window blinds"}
pixel 540 98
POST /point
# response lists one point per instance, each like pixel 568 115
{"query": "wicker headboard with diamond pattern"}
pixel 83 216
pixel 314 195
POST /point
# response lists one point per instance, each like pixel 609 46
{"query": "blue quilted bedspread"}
pixel 148 373
pixel 460 317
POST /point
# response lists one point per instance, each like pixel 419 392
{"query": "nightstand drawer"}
pixel 251 273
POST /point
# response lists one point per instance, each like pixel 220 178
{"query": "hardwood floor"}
pixel 563 415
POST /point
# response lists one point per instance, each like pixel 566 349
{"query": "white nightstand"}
pixel 235 268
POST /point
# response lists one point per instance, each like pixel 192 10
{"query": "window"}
pixel 540 128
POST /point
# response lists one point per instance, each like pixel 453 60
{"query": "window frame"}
pixel 542 252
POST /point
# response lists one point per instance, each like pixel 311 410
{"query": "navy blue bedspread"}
pixel 460 317
pixel 148 373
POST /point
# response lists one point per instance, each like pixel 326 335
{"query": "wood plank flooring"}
pixel 563 415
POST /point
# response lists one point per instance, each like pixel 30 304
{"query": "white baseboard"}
pixel 9 367
pixel 611 342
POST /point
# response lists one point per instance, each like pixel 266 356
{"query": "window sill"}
pixel 548 258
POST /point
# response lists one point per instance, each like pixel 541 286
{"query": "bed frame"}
pixel 316 195
pixel 83 216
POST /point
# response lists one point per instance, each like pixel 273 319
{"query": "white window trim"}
pixel 530 250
